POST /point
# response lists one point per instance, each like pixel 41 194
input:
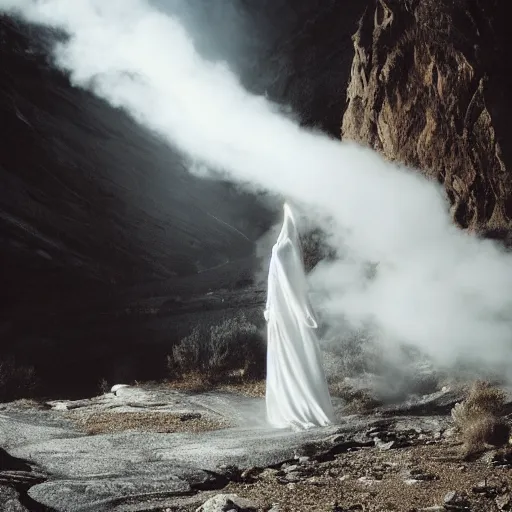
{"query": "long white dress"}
pixel 297 395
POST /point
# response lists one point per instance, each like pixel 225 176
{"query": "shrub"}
pixel 103 386
pixel 16 381
pixel 478 418
pixel 357 401
pixel 218 351
pixel 483 399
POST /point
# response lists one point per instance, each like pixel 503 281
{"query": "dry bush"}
pixel 483 400
pixel 478 418
pixel 16 381
pixel 217 352
pixel 357 401
pixel 194 382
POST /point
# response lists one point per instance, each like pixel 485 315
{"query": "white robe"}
pixel 297 395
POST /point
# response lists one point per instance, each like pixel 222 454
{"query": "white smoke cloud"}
pixel 437 288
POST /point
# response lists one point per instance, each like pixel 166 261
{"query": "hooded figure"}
pixel 297 394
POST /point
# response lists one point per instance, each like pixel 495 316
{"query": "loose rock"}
pixel 227 502
pixel 268 474
pixel 504 502
pixel 456 501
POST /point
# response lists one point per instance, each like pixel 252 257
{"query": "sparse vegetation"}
pixel 315 249
pixel 110 422
pixel 103 386
pixel 479 418
pixel 253 388
pixel 357 401
pixel 16 380
pixel 215 353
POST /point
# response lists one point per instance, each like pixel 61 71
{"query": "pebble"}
pixel 383 446
pixel 451 497
pixel 450 432
pixel 419 474
pixel 268 474
pixel 227 502
pixel 455 501
pixel 292 477
pixel 483 488
pixel 315 480
pixel 190 416
pixel 504 502
pixel 290 469
pixel 249 474
pixel 367 480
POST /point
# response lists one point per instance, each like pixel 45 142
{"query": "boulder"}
pixel 117 387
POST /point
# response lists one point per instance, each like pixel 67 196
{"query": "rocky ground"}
pixel 423 476
pixel 163 449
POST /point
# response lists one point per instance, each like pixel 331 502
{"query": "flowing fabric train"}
pixel 297 395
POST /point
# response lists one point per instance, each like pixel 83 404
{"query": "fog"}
pixel 435 288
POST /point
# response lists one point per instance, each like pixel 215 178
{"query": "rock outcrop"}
pixel 52 458
pixel 429 88
pixel 135 465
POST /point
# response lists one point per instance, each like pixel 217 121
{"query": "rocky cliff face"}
pixel 429 88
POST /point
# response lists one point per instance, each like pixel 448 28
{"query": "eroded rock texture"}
pixel 429 88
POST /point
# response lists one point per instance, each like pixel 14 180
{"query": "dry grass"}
pixel 478 418
pixel 195 382
pixel 255 388
pixel 483 399
pixel 27 404
pixel 114 422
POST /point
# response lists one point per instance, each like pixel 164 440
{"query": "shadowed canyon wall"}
pixel 430 88
pixel 110 248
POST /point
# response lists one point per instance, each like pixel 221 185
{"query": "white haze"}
pixel 445 292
